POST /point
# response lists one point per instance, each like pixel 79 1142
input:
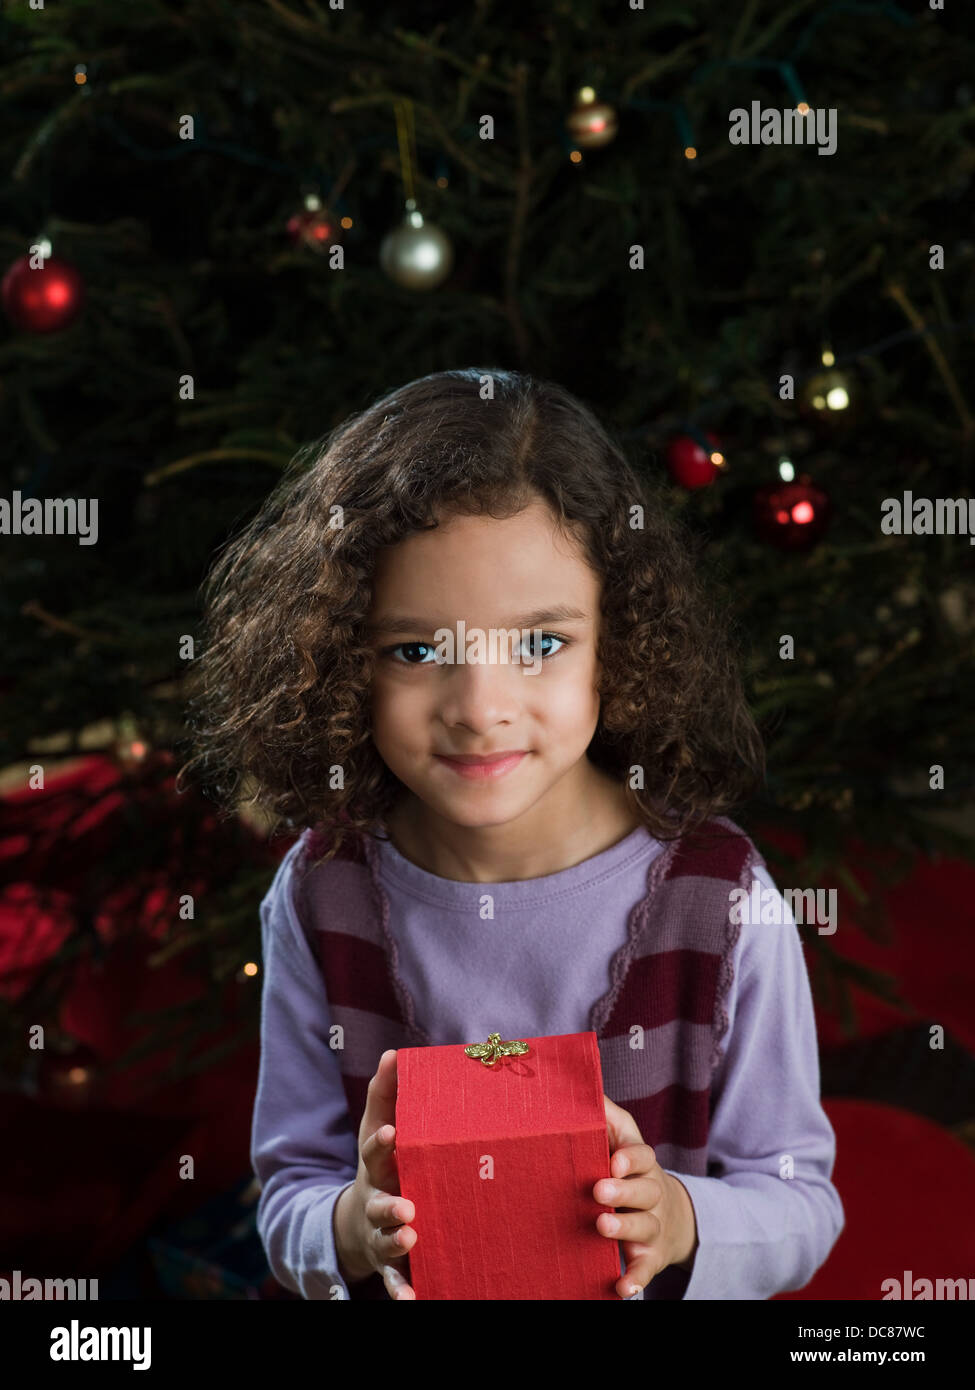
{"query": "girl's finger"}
pixel 388 1209
pixel 378 1157
pixel 636 1158
pixel 622 1127
pixel 641 1226
pixel 637 1277
pixel 396 1285
pixel 395 1242
pixel 640 1192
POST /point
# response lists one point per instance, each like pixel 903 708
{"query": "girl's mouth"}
pixel 496 766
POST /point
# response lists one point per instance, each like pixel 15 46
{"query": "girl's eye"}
pixel 430 650
pixel 413 647
pixel 545 637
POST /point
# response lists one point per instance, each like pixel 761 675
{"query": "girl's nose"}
pixel 481 693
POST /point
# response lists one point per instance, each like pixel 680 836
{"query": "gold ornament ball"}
pixel 591 123
pixel 417 254
pixel 829 395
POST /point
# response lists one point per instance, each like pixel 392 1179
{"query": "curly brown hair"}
pixel 280 705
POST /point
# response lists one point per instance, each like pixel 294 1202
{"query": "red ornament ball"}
pixel 791 516
pixel 44 300
pixel 690 464
pixel 315 228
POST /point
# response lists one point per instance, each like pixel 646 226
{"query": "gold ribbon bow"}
pixel 489 1052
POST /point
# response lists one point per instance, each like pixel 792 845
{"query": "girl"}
pixel 463 645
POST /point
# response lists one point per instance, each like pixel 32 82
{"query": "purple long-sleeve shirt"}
pixel 765 1225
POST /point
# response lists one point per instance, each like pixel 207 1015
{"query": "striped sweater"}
pixel 659 1025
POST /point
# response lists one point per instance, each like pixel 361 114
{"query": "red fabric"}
pixel 528 1232
pixel 929 954
pixel 54 845
pixel 80 1187
pixel 925 945
pixel 908 1191
pixel 56 842
pixel 89 1168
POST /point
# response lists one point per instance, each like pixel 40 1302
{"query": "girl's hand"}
pixel 370 1221
pixel 655 1216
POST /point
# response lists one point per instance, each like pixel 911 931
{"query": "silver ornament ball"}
pixel 417 255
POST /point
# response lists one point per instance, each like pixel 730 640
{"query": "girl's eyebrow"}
pixel 401 622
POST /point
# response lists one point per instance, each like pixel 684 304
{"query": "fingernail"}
pixel 612 1224
pixel 630 1289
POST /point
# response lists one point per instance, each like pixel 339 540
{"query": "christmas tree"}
pixel 737 234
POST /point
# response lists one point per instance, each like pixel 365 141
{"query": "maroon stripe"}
pixel 659 988
pixel 356 1088
pixel 710 852
pixel 356 974
pixel 673 1116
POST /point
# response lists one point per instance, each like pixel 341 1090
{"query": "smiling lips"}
pixel 493 765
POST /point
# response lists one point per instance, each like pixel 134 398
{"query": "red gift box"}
pixel 500 1161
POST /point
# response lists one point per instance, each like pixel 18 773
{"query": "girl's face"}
pixel 541 701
